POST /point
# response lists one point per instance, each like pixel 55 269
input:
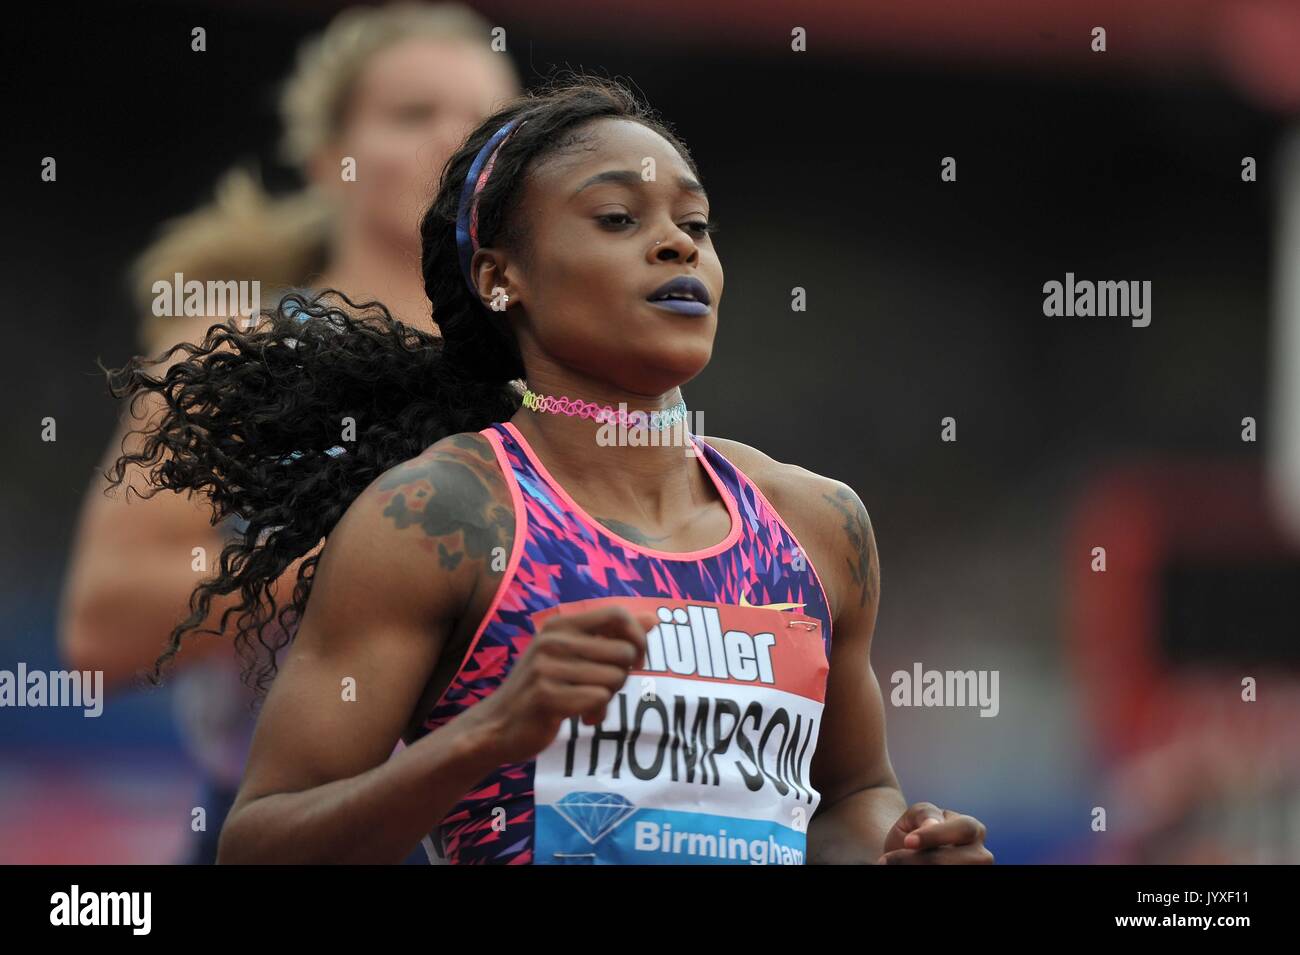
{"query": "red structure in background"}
pixel 1180 744
pixel 1252 45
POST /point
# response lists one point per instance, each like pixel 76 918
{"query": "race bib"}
pixel 703 757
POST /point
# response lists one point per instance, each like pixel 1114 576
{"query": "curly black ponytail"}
pixel 255 419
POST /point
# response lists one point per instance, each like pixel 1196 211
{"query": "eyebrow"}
pixel 629 178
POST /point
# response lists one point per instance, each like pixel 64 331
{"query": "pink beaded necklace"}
pixel 653 420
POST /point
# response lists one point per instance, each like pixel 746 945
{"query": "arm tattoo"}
pixel 474 512
pixel 474 446
pixel 864 563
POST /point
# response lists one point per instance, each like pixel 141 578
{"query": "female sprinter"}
pixel 397 88
pixel 597 651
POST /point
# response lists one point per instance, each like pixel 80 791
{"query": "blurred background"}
pixel 1119 690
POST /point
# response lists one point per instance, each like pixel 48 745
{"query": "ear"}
pixel 494 277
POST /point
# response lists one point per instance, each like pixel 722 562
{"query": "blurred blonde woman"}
pixel 391 92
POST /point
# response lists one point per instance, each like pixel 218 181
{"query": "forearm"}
pixel 375 817
pixel 853 829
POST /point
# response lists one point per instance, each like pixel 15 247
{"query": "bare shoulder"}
pixel 430 525
pixel 827 516
pixel 764 470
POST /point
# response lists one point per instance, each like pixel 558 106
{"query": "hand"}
pixel 928 835
pixel 574 665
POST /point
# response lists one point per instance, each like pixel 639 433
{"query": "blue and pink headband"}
pixel 467 213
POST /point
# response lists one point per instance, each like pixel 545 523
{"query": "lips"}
pixel 683 288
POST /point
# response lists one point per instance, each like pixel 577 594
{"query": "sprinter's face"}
pixel 603 236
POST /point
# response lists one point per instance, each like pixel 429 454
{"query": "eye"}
pixel 698 228
pixel 703 228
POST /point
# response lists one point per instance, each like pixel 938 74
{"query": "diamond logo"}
pixel 595 815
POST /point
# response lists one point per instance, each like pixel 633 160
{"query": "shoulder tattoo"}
pixel 471 520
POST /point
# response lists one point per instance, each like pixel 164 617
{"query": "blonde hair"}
pixel 280 240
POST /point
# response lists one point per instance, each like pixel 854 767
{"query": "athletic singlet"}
pixel 704 755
